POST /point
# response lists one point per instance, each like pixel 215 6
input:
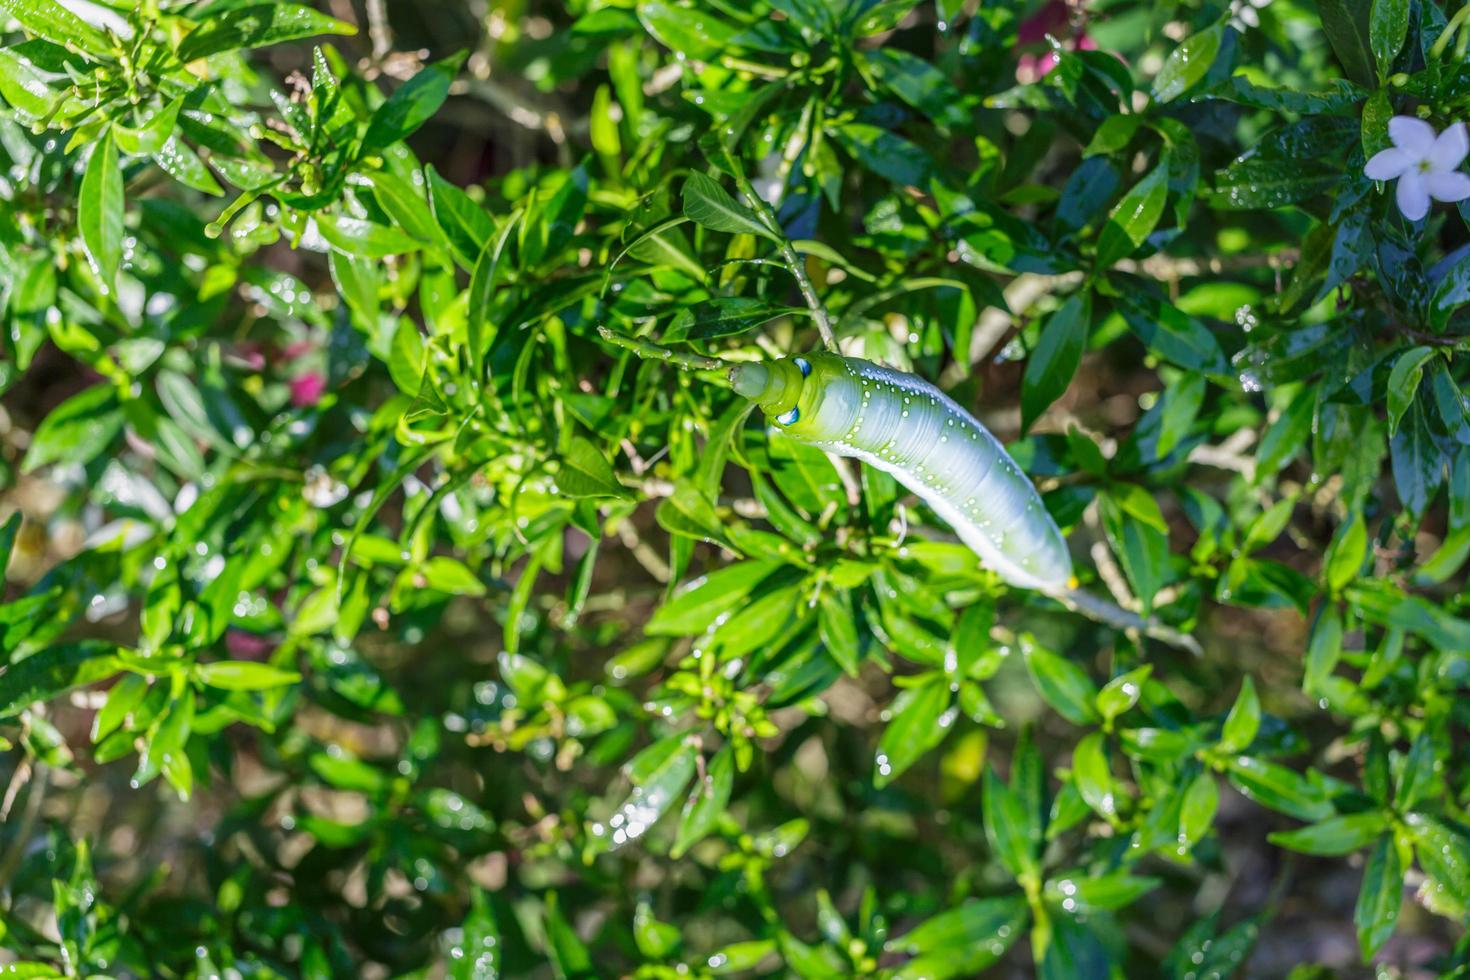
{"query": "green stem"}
pixel 649 350
pixel 1443 41
pixel 793 262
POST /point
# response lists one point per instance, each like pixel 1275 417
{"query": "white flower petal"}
pixel 1413 195
pixel 1448 187
pixel 1450 149
pixel 1249 16
pixel 1388 164
pixel 1412 135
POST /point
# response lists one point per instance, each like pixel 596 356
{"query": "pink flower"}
pixel 297 349
pixel 1048 20
pixel 247 646
pixel 307 389
pixel 1052 20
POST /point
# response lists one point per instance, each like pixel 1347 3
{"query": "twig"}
pixel 17 848
pixel 1431 339
pixel 1228 455
pixel 642 553
pixel 379 30
pixel 1099 609
pixel 850 483
pixel 1102 558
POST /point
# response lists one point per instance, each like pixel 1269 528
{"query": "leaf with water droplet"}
pixel 920 718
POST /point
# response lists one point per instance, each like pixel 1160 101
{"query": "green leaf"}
pixel 122 698
pixel 1009 827
pixel 163 750
pixel 706 802
pixel 100 211
pixel 179 161
pixel 1134 217
pixel 1188 64
pixel 1285 437
pixel 1403 383
pixel 1388 25
pixel 1172 334
pixel 809 962
pixel 357 236
pixel 1243 721
pixel 1443 851
pixel 1122 693
pixel 152 135
pixel 1380 897
pixel 1345 22
pixel 1418 779
pixel 886 154
pixel 1056 358
pixel 1093 776
pixel 1197 810
pixel 655 940
pixel 256 26
pixel 1335 835
pixel 707 203
pixel 464 223
pixel 479 329
pixel 1417 462
pixel 475 953
pixel 724 316
pixel 585 472
pixel 1412 613
pixel 1324 649
pixel 1082 894
pixel 450 576
pixel 918 721
pixel 569 957
pixel 918 83
pixel 704 600
pixel 50 20
pixel 78 429
pixel 740 957
pixel 54 671
pixel 837 626
pixel 695 33
pixel 245 675
pixel 25 88
pixel 660 774
pixel 962 941
pixel 1061 683
pixel 344 771
pixel 411 105
pixel 1141 547
pixel 1346 554
pixel 8 532
pixel 1275 786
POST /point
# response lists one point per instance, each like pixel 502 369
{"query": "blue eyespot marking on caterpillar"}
pixel 803 365
pixel 789 418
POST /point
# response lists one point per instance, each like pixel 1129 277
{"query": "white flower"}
pixel 1426 165
pixel 1243 14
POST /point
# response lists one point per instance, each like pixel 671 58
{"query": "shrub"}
pixel 378 609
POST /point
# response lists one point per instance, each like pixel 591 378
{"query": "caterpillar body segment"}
pixel 905 426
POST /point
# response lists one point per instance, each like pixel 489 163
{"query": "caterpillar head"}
pixel 776 386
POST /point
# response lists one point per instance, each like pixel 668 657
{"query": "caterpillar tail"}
pixel 1111 614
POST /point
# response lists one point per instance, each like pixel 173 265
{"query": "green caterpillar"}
pixel 903 425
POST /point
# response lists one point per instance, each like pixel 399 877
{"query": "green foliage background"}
pixel 370 615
